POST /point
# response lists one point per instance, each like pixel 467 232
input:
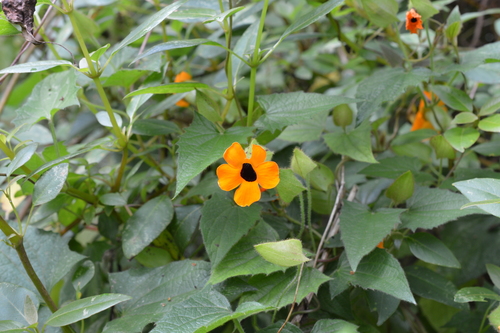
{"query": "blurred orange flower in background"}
pixel 182 77
pixel 413 21
pixel 421 121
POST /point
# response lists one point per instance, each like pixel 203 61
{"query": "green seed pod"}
pixel 402 188
pixel 342 115
pixel 301 164
pixel 285 253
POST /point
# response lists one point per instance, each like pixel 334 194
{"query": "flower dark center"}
pixel 248 173
pixel 413 19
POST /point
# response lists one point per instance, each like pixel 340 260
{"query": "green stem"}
pixel 309 213
pixel 255 63
pixel 228 29
pixel 121 171
pixel 238 326
pixel 54 137
pixel 302 215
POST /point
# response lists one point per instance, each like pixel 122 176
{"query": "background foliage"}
pixel 387 145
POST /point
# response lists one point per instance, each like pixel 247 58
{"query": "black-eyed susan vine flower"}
pixel 413 21
pixel 182 77
pixel 248 174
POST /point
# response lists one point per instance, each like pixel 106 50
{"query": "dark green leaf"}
pixel 362 229
pixel 428 248
pixel 218 227
pixel 393 167
pixel 185 224
pixel 83 274
pixel 453 97
pixel 146 224
pixel 152 127
pixel 431 285
pixel 176 44
pixel 384 304
pixel 289 186
pixel 113 199
pixel 334 326
pixel 494 273
pixel 381 12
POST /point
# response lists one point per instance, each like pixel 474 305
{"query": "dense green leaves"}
pixel 201 145
pixel 428 248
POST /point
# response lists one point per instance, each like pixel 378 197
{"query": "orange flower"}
pixel 381 245
pixel 247 173
pixel 420 121
pixel 182 77
pixel 413 21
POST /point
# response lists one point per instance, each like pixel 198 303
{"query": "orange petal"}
pixel 229 177
pixel 235 155
pixel 182 76
pixel 413 21
pixel 268 174
pixel 247 194
pixel 421 122
pixel 182 103
pixel 258 155
pixel 381 245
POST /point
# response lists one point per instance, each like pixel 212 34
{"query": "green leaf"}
pixel 83 274
pixel 185 224
pixel 152 257
pixel 307 130
pixel 146 224
pixel 50 184
pixel 490 124
pixel 10 326
pixel 453 24
pixel 333 326
pixel 49 255
pixel 429 284
pixel 21 158
pixel 322 177
pixel 57 91
pixel 151 127
pixel 386 85
pixel 113 199
pixel 301 164
pixel 490 107
pixel 244 46
pixel 30 310
pixel 176 44
pixel 218 227
pixel 355 144
pixel 464 118
pixel 289 328
pixel 453 97
pixel 292 108
pixel 481 189
pixel 285 253
pixel 124 78
pixel 201 145
pixel 36 66
pixel 424 8
pixel 84 308
pixel 381 12
pixel 154 292
pixel 379 271
pixel 12 303
pixel 362 229
pixel 289 186
pixel 384 304
pixel 277 289
pixel 441 147
pixel 475 294
pixel 428 248
pixel 308 18
pixel 461 138
pixel 431 207
pixel 148 25
pixel 203 312
pixel 242 259
pixel 171 88
pixel 222 16
pixel 6 28
pixel 494 317
pixel 494 273
pixel 207 107
pixel 392 167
